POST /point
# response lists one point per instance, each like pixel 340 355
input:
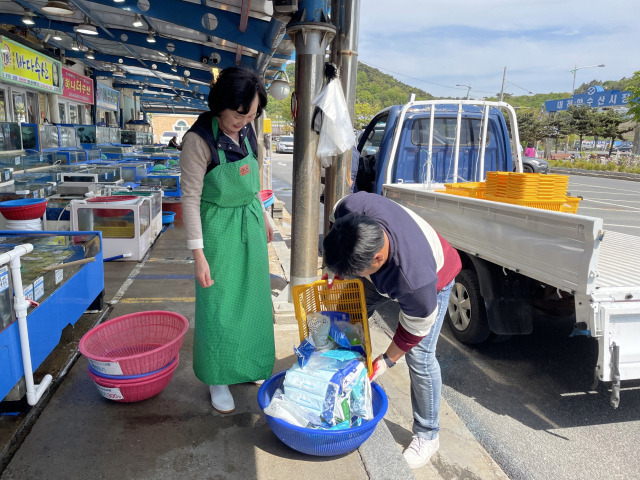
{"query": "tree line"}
pixel 376 90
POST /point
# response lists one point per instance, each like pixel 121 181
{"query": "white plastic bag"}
pixel 336 133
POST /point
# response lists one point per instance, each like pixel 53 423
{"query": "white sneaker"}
pixel 420 451
pixel 221 398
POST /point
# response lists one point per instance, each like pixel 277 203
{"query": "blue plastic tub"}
pixel 323 443
pixel 167 217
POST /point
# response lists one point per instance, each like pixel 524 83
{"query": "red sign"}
pixel 77 87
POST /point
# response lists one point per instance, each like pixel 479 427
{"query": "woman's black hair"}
pixel 235 88
pixel 351 244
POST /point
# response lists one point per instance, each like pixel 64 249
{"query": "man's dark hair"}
pixel 351 244
pixel 235 88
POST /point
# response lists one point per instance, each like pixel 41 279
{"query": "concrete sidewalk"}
pixel 76 434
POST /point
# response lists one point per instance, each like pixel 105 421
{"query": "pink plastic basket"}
pixel 122 391
pixel 136 343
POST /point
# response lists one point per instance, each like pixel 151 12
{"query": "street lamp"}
pixel 468 88
pixel 575 69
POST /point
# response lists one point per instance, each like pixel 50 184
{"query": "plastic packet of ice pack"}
pixel 304 351
pixel 346 336
pixel 319 325
pixel 283 408
pixel 361 396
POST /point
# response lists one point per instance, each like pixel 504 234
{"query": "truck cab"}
pixel 431 148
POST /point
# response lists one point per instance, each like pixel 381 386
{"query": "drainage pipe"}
pixel 34 392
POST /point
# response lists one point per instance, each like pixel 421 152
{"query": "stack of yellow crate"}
pixel 536 190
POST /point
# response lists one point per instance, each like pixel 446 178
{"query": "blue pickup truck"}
pixel 515 259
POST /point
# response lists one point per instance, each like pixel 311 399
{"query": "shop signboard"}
pixel 107 98
pixel 76 87
pixel 26 67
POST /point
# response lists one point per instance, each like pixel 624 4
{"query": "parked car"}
pixel 166 136
pixel 285 144
pixel 534 165
pixel 622 149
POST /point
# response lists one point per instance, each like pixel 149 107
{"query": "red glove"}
pixel 379 367
pixel 330 277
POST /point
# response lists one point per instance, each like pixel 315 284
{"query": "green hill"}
pixel 376 90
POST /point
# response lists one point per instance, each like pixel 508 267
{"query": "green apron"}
pixel 233 338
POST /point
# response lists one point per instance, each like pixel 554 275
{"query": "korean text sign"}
pixel 76 86
pixel 24 66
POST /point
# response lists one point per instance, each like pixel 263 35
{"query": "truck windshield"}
pixel 444 132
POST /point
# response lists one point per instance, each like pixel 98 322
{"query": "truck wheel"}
pixel 466 313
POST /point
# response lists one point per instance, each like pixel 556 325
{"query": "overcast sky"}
pixel 436 44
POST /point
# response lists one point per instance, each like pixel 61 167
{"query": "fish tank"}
pixel 86 134
pixel 138 126
pixel 49 137
pixel 115 221
pixel 169 184
pixel 128 137
pixel 39 280
pixel 133 172
pixel 94 154
pixel 30 140
pixel 10 136
pixel 37 160
pixel 68 137
pixel 69 157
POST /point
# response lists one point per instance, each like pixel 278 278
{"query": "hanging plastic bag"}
pixel 336 130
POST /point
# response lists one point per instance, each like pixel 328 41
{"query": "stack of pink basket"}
pixel 133 357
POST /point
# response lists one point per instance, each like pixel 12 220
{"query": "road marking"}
pixel 615 205
pixel 159 300
pixel 590 185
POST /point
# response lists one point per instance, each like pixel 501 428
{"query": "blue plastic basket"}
pixel 323 443
pixel 129 377
pixel 167 217
pixel 23 202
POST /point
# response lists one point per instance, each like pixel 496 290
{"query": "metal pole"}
pixel 504 77
pixel 311 34
pixel 344 53
pixel 573 88
pixel 259 127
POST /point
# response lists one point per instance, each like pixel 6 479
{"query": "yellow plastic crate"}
pixel 555 205
pixel 345 296
pixel 466 189
pixel 571 205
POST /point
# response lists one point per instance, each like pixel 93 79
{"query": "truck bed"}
pixel 614 269
pixel 559 249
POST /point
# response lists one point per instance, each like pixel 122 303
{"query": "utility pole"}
pixel 468 88
pixel 344 53
pixel 504 76
pixel 575 70
pixel 311 32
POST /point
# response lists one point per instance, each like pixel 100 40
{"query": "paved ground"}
pixel 74 433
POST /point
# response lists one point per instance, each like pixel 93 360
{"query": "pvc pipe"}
pixel 34 392
pixel 124 255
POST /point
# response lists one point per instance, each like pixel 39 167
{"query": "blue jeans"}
pixel 424 369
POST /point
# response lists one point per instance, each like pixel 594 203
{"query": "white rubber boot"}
pixel 221 398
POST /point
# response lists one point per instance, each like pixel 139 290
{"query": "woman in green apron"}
pixel 228 232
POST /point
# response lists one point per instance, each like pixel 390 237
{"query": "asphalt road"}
pixel 528 400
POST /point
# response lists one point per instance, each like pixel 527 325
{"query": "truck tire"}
pixel 466 313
